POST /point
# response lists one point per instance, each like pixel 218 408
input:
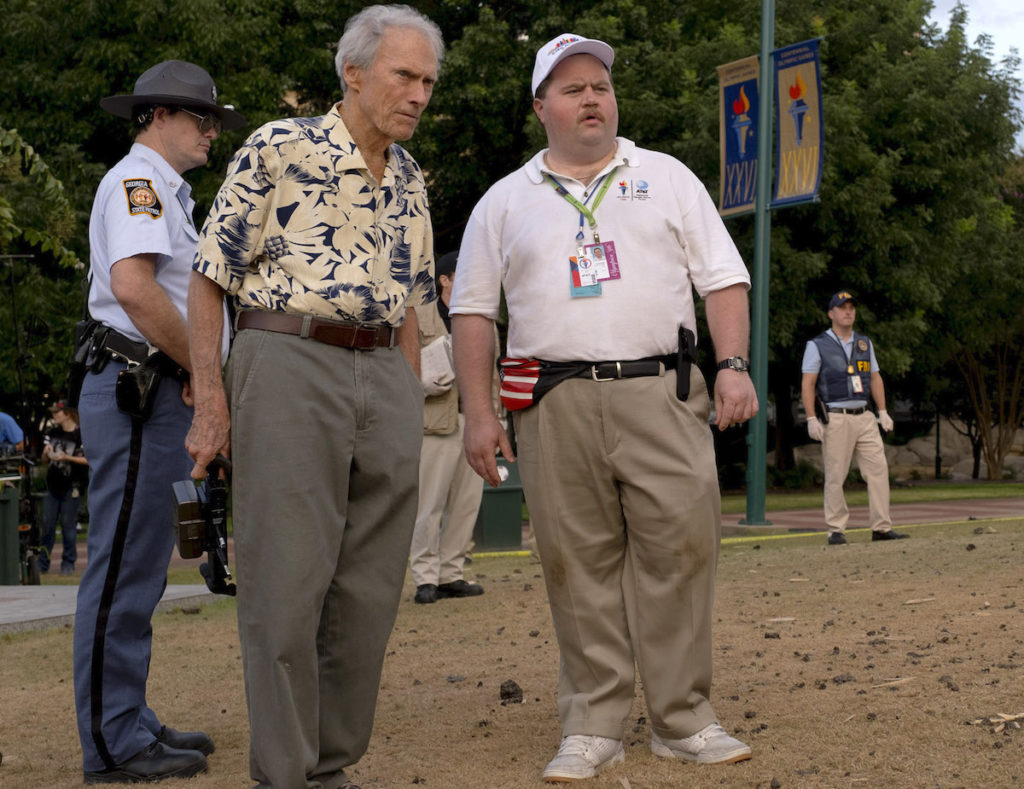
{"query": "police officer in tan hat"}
pixel 142 240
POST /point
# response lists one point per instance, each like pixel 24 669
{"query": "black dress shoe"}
pixel 186 740
pixel 837 538
pixel 888 535
pixel 426 593
pixel 154 763
pixel 459 588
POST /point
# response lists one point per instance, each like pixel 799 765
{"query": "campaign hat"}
pixel 174 82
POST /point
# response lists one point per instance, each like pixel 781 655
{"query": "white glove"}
pixel 815 429
pixel 885 420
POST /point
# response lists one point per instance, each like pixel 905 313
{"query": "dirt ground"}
pixel 867 665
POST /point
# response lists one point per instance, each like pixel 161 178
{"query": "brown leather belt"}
pixel 359 336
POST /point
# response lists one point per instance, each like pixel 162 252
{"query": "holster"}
pixel 85 329
pixel 820 410
pixel 136 388
pixel 686 355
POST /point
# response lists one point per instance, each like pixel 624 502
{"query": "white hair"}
pixel 364 31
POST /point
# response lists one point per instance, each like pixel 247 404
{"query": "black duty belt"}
pixel 121 348
pixel 635 368
pixel 109 344
pixel 359 336
pixel 850 411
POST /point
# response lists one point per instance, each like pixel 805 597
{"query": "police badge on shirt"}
pixel 142 198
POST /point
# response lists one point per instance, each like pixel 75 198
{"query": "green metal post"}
pixel 757 431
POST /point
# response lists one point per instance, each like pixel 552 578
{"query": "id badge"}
pixel 578 287
pixel 857 384
pixel 587 270
pixel 606 263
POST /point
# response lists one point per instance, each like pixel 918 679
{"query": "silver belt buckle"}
pixel 596 377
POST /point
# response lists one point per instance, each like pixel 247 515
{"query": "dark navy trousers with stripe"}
pixel 131 535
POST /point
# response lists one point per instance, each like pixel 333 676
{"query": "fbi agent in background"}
pixel 840 367
pixel 142 241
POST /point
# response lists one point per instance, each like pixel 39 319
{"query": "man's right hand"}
pixel 815 429
pixel 482 437
pixel 209 435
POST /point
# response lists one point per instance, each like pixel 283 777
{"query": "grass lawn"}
pixel 907 493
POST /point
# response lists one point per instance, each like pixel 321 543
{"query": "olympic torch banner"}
pixel 739 104
pixel 800 141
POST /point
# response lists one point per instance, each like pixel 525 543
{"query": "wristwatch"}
pixel 737 363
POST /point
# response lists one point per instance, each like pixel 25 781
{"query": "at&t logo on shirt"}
pixel 633 190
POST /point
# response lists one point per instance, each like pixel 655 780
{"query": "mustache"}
pixel 591 114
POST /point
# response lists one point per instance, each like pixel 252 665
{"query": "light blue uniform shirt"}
pixel 142 206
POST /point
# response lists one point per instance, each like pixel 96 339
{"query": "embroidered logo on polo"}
pixel 142 198
pixel 633 190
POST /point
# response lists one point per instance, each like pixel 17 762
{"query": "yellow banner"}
pixel 798 119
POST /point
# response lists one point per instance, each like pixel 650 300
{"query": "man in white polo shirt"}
pixel 599 245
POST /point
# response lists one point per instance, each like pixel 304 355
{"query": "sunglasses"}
pixel 208 122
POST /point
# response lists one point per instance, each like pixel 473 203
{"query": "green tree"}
pixel 40 273
pixel 919 125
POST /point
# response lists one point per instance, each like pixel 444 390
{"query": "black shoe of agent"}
pixel 837 538
pixel 459 588
pixel 888 535
pixel 425 593
pixel 154 763
pixel 186 740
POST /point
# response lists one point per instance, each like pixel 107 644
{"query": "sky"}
pixel 1003 20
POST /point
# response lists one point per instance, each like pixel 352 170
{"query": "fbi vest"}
pixel 834 379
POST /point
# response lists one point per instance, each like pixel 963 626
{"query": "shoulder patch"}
pixel 142 198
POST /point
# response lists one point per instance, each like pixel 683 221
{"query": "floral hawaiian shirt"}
pixel 301 226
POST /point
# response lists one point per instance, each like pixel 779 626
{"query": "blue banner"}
pixel 739 105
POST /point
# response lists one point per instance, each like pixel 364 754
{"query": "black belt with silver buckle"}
pixel 121 348
pixel 850 411
pixel 358 336
pixel 636 368
pixel 112 345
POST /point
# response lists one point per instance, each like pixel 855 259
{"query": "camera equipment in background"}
pixel 200 515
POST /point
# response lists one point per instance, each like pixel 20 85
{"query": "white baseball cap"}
pixel 552 53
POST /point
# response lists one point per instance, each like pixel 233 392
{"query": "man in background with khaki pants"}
pixel 840 366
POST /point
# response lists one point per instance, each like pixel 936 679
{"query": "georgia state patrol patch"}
pixel 142 197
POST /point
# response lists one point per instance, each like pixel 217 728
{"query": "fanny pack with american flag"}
pixel 525 381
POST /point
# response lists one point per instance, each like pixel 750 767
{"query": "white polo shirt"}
pixel 669 240
pixel 142 206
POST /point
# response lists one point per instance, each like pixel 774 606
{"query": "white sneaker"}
pixel 581 756
pixel 711 745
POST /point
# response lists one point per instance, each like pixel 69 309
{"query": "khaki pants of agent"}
pixel 450 494
pixel 849 436
pixel 325 447
pixel 622 487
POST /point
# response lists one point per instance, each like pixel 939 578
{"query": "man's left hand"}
pixel 885 421
pixel 735 399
